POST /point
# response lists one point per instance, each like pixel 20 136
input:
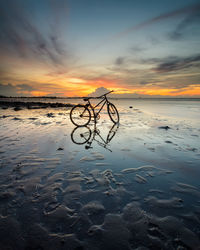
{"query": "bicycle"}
pixel 80 115
pixel 84 135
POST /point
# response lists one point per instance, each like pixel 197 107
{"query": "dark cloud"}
pixel 156 60
pixel 154 40
pixel 175 35
pixel 25 87
pixel 137 49
pixel 187 22
pixel 20 33
pixel 144 83
pixel 8 90
pixel 12 90
pixel 119 60
pixel 177 63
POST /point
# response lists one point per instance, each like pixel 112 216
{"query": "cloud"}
pixel 144 82
pixel 25 87
pixel 8 90
pixel 141 94
pixel 177 63
pixel 98 92
pixel 191 9
pixel 15 90
pixel 47 89
pixel 137 49
pixel 191 19
pixel 21 34
pixel 143 74
pixel 119 61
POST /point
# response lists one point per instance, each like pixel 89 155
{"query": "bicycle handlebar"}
pixel 105 94
pixel 87 98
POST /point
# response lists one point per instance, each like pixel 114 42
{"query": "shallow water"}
pixel 129 186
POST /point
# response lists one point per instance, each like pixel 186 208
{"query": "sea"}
pixel 130 185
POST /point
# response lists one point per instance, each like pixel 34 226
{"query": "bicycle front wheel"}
pixel 113 113
pixel 80 115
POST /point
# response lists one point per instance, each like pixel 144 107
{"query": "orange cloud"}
pixel 71 86
pixel 192 90
pixel 39 93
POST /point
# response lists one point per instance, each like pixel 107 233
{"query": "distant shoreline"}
pixel 19 103
pixel 110 97
pixel 32 105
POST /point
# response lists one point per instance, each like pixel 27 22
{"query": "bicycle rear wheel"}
pixel 113 113
pixel 80 115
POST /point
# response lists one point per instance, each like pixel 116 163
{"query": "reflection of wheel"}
pixel 113 113
pixel 80 115
pixel 81 135
pixel 112 132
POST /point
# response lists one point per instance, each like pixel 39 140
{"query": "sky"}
pixel 137 48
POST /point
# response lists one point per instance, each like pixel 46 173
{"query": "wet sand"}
pixel 139 190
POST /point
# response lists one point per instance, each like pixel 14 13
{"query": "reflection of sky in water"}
pixel 42 144
pixel 137 139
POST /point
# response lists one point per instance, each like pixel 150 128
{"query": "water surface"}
pixel 128 186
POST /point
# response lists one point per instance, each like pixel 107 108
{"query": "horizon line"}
pixel 80 97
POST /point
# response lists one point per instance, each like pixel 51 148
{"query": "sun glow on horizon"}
pixel 77 87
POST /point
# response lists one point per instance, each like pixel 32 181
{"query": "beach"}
pixel 63 187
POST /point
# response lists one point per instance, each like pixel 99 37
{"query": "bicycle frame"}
pixel 104 101
pixel 102 143
pixel 84 112
pixel 88 136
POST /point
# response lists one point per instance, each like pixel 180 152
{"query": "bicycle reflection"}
pixel 84 135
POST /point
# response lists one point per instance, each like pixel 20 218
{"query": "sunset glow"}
pixel 99 115
pixel 151 52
